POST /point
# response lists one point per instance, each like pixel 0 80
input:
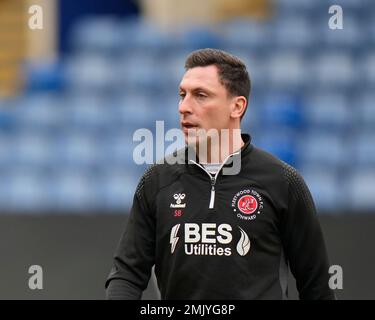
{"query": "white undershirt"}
pixel 212 168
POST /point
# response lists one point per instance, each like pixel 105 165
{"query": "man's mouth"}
pixel 187 125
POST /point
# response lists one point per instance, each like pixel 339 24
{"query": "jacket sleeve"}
pixel 303 241
pixel 135 253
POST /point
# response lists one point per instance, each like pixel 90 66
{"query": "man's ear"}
pixel 238 106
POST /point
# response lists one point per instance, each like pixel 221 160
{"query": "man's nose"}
pixel 185 105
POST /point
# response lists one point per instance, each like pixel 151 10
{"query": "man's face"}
pixel 204 101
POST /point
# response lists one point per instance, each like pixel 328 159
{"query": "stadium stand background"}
pixel 67 174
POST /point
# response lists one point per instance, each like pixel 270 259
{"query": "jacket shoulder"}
pixel 275 171
pixel 164 172
pixel 274 165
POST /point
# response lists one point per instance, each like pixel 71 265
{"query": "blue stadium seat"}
pixel 89 113
pixel 116 187
pixel 140 72
pixel 22 190
pixel 168 104
pixel 91 72
pixel 8 116
pixel 101 34
pixel 364 149
pixel 40 112
pixel 139 35
pixel 31 149
pixel 280 142
pixel 77 150
pixel 350 38
pixel 367 70
pixel 117 150
pixel 360 189
pixel 172 70
pixel 287 70
pixel 365 109
pixel 72 190
pixel 326 187
pixel 333 70
pixel 294 32
pixel 252 116
pixel 143 109
pixel 245 34
pixel 6 144
pixel 324 149
pixel 369 29
pixel 281 109
pixel 43 76
pixel 327 109
pixel 195 37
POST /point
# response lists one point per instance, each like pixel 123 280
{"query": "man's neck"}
pixel 218 151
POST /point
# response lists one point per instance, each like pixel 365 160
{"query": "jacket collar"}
pixel 243 153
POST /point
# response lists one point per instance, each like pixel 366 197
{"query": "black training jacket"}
pixel 222 237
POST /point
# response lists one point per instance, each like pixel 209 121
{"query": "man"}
pixel 217 235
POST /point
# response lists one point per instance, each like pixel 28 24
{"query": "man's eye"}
pixel 201 95
pixel 182 95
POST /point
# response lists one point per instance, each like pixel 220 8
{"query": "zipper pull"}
pixel 212 199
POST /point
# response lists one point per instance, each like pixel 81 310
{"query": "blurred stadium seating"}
pixel 66 142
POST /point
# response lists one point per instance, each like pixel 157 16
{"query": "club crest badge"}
pixel 247 204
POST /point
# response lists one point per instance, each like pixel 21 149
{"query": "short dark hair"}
pixel 232 71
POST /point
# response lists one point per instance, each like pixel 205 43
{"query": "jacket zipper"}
pixel 213 179
pixel 212 198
